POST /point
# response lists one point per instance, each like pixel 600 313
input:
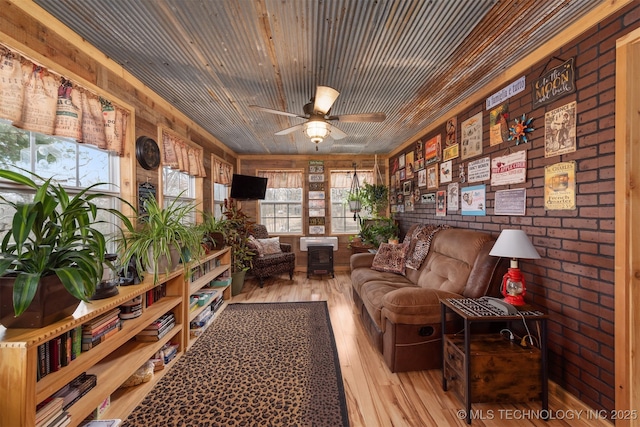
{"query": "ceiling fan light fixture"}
pixel 316 130
pixel 324 99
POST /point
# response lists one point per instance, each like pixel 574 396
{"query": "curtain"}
pixel 178 154
pixel 38 100
pixel 222 172
pixel 283 179
pixel 342 179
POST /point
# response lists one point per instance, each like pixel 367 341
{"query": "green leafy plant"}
pixel 212 231
pixel 53 234
pixel 237 228
pixel 375 197
pixel 159 236
pixel 379 230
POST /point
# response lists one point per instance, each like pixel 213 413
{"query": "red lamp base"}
pixel 514 299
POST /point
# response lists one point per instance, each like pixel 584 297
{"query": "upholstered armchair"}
pixel 269 261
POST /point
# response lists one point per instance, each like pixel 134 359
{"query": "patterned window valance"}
pixel 222 172
pixel 38 100
pixel 178 154
pixel 283 179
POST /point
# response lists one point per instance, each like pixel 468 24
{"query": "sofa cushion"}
pixel 390 258
pixel 372 295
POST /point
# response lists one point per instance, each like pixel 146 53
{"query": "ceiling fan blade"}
pixel 289 130
pixel 336 133
pixel 281 113
pixel 360 118
pixel 324 99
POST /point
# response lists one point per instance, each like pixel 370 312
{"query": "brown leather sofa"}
pixel 401 313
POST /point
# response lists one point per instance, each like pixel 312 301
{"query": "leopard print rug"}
pixel 267 364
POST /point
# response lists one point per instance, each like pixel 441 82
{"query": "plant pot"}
pixel 164 265
pixel 51 303
pixel 355 205
pixel 218 238
pixel 237 282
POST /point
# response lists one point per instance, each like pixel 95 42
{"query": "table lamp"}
pixel 514 244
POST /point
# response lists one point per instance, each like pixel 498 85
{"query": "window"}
pixel 70 164
pixel 281 210
pixel 220 192
pixel 181 186
pixel 342 220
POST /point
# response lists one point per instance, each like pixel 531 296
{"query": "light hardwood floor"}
pixel 377 397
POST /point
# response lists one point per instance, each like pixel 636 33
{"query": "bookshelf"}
pixel 211 267
pixel 112 361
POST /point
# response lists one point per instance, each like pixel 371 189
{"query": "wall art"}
pixel 316 204
pixel 316 166
pixel 401 161
pixel 433 150
pixel 316 186
pixel 432 176
pixel 473 200
pixel 428 198
pixel 441 203
pixel 316 220
pixel 510 202
pixel 554 84
pixel 419 156
pixel 452 152
pixel 407 187
pixel 316 229
pixel 479 170
pixel 453 195
pixel 446 174
pixel 507 92
pixel 316 177
pixel 560 130
pixel 316 212
pixel 509 169
pixel 521 129
pixel 316 195
pixel 560 186
pixel 499 125
pixel 471 136
pixel 409 164
pixel 450 132
pixel 422 178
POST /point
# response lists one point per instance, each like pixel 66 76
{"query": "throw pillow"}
pixel 270 246
pixel 390 258
pixel 254 245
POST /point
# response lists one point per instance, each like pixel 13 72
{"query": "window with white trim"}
pixel 342 219
pixel 73 165
pixel 180 186
pixel 281 209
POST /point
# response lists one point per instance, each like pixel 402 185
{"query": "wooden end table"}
pixel 457 352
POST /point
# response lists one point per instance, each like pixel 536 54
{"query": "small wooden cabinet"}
pixel 500 370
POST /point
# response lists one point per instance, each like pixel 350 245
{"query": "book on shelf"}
pixel 103 423
pixel 158 335
pixel 89 342
pixel 63 419
pixel 99 321
pixel 55 346
pixel 74 390
pixel 48 410
pixel 160 322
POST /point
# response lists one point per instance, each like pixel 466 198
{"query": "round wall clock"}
pixel 147 153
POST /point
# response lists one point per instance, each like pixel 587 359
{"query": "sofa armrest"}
pixel 361 260
pixel 414 306
pixel 285 247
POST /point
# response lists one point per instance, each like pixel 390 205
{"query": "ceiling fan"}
pixel 316 112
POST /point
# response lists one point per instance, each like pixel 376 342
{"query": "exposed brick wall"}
pixel 573 281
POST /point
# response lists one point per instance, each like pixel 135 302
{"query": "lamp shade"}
pixel 316 130
pixel 514 244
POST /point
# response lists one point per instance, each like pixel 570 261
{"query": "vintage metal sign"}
pixel 555 84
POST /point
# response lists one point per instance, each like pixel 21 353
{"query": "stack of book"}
pixel 70 393
pixel 158 329
pixel 101 329
pixel 155 294
pixel 131 309
pixel 58 352
pixel 51 414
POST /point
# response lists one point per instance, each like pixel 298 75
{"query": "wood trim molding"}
pixel 627 237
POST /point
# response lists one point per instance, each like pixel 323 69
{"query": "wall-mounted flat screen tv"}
pixel 247 187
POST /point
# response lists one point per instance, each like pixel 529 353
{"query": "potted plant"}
pixel 378 230
pixel 212 231
pixel 161 238
pixel 237 228
pixel 52 256
pixel 375 197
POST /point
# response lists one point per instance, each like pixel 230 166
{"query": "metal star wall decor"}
pixel 520 129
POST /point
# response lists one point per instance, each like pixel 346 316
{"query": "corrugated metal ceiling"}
pixel 413 60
